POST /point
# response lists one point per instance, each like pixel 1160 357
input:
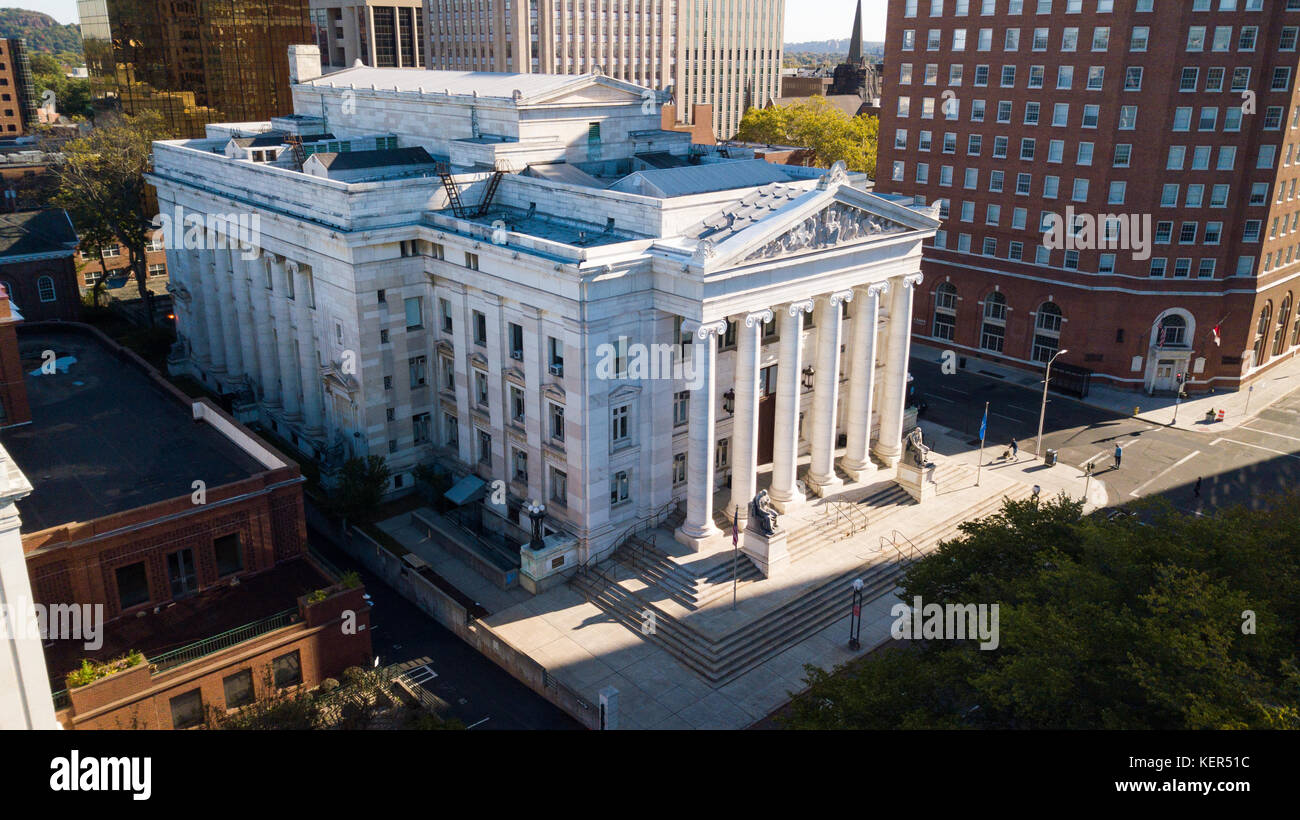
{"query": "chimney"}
pixel 304 63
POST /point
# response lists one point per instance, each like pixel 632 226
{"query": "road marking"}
pixel 951 389
pixel 1161 474
pixel 941 398
pixel 1256 446
pixel 1269 433
pixel 421 674
pixel 484 720
pixel 1008 418
pixel 1018 407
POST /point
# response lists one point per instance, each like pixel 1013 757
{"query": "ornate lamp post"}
pixel 536 514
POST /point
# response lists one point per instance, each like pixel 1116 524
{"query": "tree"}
pixel 362 484
pixel 101 183
pixel 828 133
pixel 72 95
pixel 1188 623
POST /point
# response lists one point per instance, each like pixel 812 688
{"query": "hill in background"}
pixel 832 47
pixel 44 33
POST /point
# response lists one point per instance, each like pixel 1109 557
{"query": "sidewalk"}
pixel 1062 478
pixel 1276 383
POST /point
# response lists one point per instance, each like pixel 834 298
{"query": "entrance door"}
pixel 1165 375
pixel 180 572
pixel 766 413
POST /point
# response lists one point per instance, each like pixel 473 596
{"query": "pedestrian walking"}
pixel 1037 490
pixel 1196 491
pixel 1119 455
pixel 1015 450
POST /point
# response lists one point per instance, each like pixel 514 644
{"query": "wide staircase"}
pixel 721 660
pixel 689 588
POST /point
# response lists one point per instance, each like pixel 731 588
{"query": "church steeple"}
pixel 855 42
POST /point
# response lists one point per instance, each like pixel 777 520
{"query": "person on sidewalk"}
pixel 1015 450
pixel 1037 491
pixel 1119 455
pixel 1196 491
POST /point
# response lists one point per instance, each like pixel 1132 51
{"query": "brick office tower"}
pixel 1181 113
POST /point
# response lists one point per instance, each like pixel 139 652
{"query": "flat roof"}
pixel 484 84
pixel 104 438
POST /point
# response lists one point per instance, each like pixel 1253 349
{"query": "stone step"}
pixel 774 632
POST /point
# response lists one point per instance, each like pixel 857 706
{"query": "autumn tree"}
pixel 101 184
pixel 815 124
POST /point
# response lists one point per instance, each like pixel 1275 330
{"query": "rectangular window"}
pixel 238 689
pixel 187 709
pixel 132 585
pixel 229 554
pixel 287 670
pixel 414 313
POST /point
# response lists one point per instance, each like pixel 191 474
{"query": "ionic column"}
pixel 744 436
pixel 313 414
pixel 785 435
pixel 862 384
pixel 190 316
pixel 889 447
pixel 244 319
pixel 230 329
pixel 213 288
pixel 826 392
pixel 282 330
pixel 698 526
pixel 267 363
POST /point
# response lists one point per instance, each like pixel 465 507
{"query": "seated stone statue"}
pixel 916 446
pixel 761 510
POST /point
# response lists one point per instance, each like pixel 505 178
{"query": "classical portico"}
pixel 836 378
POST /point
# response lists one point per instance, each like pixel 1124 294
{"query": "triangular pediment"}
pixel 829 217
pixel 837 224
pixel 591 90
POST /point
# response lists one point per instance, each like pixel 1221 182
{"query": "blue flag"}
pixel 984 423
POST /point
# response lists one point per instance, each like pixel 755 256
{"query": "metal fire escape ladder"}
pixel 453 194
pixel 491 192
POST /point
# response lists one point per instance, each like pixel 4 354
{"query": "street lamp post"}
pixel 1042 413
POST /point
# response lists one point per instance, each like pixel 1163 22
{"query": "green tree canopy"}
pixel 828 133
pixel 102 186
pixel 1110 625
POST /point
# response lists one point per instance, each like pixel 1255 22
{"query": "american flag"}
pixel 1160 337
pixel 1216 335
pixel 735 528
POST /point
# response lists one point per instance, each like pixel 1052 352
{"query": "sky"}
pixel 804 19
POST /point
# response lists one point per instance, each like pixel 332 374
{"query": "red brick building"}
pixel 14 409
pixel 37 267
pixel 185 528
pixel 1177 115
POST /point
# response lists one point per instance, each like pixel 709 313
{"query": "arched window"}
pixel 945 312
pixel 1279 332
pixel 993 332
pixel 1047 332
pixel 1295 329
pixel 1261 332
pixel 1172 332
pixel 45 289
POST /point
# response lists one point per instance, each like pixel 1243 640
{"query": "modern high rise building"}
pixel 195 62
pixel 379 33
pixel 1160 135
pixel 724 53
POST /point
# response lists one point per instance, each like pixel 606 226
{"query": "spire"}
pixel 855 42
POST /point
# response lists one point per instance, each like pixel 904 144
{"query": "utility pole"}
pixel 1042 413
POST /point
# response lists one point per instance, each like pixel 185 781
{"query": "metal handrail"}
pixel 656 517
pixel 223 641
pixel 892 540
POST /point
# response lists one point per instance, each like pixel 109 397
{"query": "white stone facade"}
pixel 370 318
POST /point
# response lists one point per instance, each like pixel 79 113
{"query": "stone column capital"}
pixel 758 317
pixel 805 306
pixel 913 279
pixel 841 296
pixel 706 329
pixel 877 289
pixel 290 266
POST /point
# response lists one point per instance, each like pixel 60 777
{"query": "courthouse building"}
pixel 498 274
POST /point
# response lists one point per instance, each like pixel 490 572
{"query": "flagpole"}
pixel 983 430
pixel 735 555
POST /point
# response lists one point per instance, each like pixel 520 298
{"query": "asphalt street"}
pixel 1239 466
pixel 478 692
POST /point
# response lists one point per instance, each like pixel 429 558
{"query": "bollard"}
pixel 1136 409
